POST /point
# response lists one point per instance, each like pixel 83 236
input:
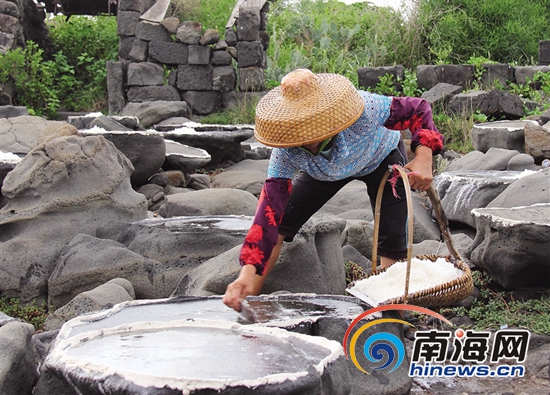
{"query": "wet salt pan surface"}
pixel 274 311
pixel 199 353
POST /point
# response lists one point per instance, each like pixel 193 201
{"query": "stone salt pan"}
pixel 424 274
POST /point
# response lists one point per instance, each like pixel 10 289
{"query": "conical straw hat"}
pixel 306 108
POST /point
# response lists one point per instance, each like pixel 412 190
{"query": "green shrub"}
pixel 503 30
pixel 34 79
pixel 82 46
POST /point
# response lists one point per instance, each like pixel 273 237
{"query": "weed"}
pixel 354 272
pixel 33 313
pixel 494 310
pixel 243 112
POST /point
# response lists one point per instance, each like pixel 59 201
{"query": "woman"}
pixel 322 127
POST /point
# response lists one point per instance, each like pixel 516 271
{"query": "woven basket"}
pixel 438 296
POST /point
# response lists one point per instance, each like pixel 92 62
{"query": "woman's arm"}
pixel 263 234
pixel 415 114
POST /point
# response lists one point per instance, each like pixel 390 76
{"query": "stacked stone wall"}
pixel 174 61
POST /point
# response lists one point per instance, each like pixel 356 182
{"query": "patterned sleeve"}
pixel 263 234
pixel 415 114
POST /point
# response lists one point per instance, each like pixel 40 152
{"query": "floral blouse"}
pixel 356 151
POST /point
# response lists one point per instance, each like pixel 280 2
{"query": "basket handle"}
pixel 440 215
pixel 410 224
pixel 442 222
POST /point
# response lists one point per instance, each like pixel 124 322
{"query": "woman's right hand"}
pixel 238 290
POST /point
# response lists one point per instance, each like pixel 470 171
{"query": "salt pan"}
pixel 424 274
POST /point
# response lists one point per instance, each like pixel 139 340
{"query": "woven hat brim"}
pixel 284 123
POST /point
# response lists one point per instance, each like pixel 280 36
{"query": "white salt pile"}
pixel 424 274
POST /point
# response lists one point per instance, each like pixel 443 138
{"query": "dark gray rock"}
pixel 203 102
pixel 429 76
pixel 496 75
pixel 199 181
pixel 150 113
pixel 493 159
pixel 107 123
pixel 530 189
pixel 154 194
pixel 221 58
pixel 171 124
pixel 251 79
pixel 168 52
pixel 249 54
pixel 521 162
pixel 213 201
pixel 125 44
pixel 230 37
pixel 189 32
pixel 146 151
pixel 316 247
pixel 499 134
pixel 101 297
pixel 248 24
pixel 369 77
pixel 127 22
pixel 148 31
pixel 501 104
pixel 511 245
pixel 77 184
pixel 247 175
pixel 224 78
pixel 441 93
pixel 18 365
pixel 139 51
pixel 462 191
pixel 145 74
pixel 210 37
pixel 524 75
pixel 544 53
pixel 463 104
pixel 184 158
pixel 222 142
pixel 199 55
pixel 179 243
pixel 140 94
pixel 13 111
pixel 194 77
pixel 115 86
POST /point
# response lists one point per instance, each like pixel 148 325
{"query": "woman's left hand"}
pixel 421 175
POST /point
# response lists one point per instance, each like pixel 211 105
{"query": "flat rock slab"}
pixel 462 191
pixel 165 357
pixel 512 245
pixel 184 158
pixel 499 134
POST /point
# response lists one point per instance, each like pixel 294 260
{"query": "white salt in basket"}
pixel 439 295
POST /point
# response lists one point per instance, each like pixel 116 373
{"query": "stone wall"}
pixel 465 76
pixel 172 60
